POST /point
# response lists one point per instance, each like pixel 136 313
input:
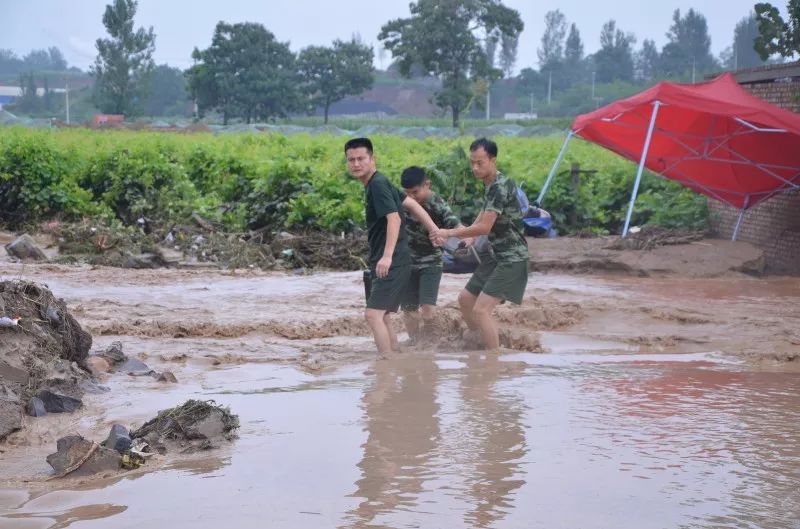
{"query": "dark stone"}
pixel 24 247
pixel 36 407
pixel 114 355
pixel 119 439
pixel 135 367
pixel 81 457
pixel 56 403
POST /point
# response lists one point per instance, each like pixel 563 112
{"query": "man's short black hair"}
pixel 486 144
pixel 412 177
pixel 356 143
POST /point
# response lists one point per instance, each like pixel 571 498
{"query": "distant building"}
pixel 518 116
pixel 9 94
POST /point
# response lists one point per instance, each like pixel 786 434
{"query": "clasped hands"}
pixel 440 236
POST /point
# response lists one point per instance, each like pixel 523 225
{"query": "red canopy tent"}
pixel 713 137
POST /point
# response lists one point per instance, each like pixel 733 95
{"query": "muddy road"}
pixel 622 402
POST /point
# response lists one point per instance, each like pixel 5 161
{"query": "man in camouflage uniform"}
pixel 426 259
pixel 503 275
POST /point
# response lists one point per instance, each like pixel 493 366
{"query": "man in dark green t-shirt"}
pixel 502 276
pixel 389 259
pixel 426 259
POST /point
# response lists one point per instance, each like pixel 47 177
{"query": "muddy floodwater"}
pixel 648 403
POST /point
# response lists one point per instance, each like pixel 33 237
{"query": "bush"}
pixel 37 180
pixel 300 182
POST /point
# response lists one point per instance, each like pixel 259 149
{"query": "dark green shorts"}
pixel 504 281
pixel 387 293
pixel 423 287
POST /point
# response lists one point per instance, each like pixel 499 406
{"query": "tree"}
pixel 776 36
pixel 574 67
pixel 48 98
pixel 124 61
pixel 742 53
pixel 443 38
pixel 167 94
pixel 9 62
pixel 29 101
pixel 57 61
pixel 551 52
pixel 614 59
pixel 245 73
pixel 508 53
pixel 331 74
pixel 648 61
pixel 689 46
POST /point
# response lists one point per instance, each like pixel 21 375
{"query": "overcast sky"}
pixel 180 25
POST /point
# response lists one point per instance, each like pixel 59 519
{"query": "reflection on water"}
pixel 402 433
pixel 492 425
pixel 467 440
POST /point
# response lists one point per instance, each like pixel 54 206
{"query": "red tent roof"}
pixel 714 137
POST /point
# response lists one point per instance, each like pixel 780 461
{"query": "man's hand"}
pixel 383 266
pixel 438 237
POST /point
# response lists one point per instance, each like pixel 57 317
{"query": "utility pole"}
pixel 594 74
pixel 488 102
pixel 550 87
pixel 66 94
pixel 693 69
pixel 531 102
pixel 735 57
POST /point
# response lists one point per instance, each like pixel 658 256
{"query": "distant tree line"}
pixel 50 59
pixel 247 73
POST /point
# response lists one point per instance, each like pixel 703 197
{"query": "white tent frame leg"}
pixel 653 116
pixel 555 167
pixel 741 218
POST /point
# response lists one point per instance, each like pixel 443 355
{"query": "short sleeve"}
pixel 383 198
pixel 449 219
pixel 495 199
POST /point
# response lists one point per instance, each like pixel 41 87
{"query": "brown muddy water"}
pixel 653 403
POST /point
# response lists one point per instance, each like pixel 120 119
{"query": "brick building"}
pixel 773 225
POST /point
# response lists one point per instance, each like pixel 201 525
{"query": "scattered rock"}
pixel 167 376
pixel 194 425
pixel 119 439
pixel 10 412
pixel 56 403
pixel 143 261
pixel 81 457
pixel 24 247
pixel 97 365
pixel 113 354
pixel 136 368
pixel 36 407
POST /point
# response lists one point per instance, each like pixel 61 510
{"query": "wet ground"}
pixel 650 403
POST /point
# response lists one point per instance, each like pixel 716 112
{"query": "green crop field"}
pixel 298 182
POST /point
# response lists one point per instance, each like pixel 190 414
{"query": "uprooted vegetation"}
pixel 194 425
pixel 200 242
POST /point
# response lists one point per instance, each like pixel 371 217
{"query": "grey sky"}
pixel 180 25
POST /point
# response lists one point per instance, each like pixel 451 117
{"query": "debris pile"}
pixel 194 425
pixel 42 355
pixel 650 237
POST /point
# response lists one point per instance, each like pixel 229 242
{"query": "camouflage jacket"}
pixel 423 253
pixel 507 239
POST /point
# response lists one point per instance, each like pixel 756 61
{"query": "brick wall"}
pixel 773 225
